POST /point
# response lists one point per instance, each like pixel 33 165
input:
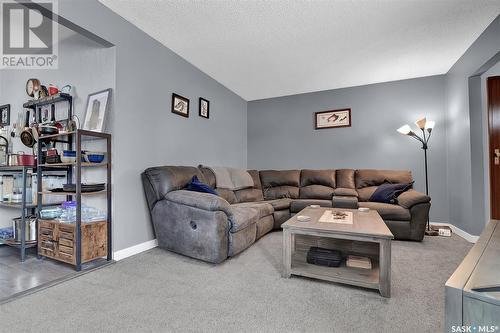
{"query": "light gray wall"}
pixel 281 132
pixel 145 132
pixel 82 63
pixel 465 134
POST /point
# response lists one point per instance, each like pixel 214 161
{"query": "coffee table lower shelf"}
pixel 367 278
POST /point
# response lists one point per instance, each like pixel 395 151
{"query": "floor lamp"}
pixel 426 127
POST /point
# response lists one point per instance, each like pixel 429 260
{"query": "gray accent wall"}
pixel 281 132
pixel 145 132
pixel 466 130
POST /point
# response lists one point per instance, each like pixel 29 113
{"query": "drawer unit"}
pixel 58 241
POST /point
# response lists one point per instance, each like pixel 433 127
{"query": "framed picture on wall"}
pixel 5 115
pixel 332 118
pixel 96 111
pixel 180 105
pixel 204 108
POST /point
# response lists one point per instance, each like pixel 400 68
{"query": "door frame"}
pixel 491 150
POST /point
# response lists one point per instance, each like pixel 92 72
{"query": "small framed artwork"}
pixel 332 118
pixel 180 105
pixel 204 108
pixel 96 111
pixel 5 115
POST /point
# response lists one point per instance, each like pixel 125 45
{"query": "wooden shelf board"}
pixel 13 243
pixel 9 168
pixel 59 97
pixel 19 205
pixel 71 223
pixel 86 135
pixel 83 164
pixel 72 193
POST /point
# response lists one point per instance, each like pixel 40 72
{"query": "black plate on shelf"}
pixel 94 187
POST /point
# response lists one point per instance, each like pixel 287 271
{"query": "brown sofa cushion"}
pixel 256 178
pixel 227 194
pixel 277 184
pixel 348 192
pixel 299 204
pixel 264 208
pixel 208 174
pixel 317 184
pixel 365 193
pixel 345 178
pixel 280 204
pixel 316 192
pixel 251 194
pixel 242 217
pixel 372 177
pixel 317 177
pixel 274 178
pixel 388 211
pixel 280 192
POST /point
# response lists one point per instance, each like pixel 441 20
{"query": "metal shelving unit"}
pixel 74 142
pixel 26 208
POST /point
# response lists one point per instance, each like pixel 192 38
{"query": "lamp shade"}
pixel 421 123
pixel 429 125
pixel 405 129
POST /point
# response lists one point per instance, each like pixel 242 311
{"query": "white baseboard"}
pixel 130 251
pixel 136 249
pixel 465 235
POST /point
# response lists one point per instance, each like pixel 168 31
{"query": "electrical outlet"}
pixel 444 232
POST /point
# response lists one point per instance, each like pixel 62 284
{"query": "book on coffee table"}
pixel 359 262
pixel 330 216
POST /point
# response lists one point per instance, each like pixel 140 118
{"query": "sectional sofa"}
pixel 213 228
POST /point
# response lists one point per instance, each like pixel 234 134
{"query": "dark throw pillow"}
pixel 388 193
pixel 197 186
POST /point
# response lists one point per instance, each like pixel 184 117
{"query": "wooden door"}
pixel 494 139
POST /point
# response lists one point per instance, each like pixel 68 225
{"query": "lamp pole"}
pixel 424 147
pixel 426 127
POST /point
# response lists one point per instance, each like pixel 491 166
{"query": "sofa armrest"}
pixel 411 198
pixel 205 201
pixel 191 231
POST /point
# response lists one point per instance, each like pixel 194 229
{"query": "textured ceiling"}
pixel 262 49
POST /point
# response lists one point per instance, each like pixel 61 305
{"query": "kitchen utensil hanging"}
pixel 27 137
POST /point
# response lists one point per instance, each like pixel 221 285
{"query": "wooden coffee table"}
pixel 367 236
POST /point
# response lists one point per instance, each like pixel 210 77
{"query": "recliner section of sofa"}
pixel 212 228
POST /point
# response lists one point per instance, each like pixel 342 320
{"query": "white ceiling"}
pixel 261 49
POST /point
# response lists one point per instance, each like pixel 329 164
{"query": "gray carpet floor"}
pixel 159 291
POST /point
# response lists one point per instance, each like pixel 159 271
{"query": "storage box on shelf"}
pixel 58 240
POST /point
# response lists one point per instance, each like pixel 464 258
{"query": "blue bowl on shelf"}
pixel 92 156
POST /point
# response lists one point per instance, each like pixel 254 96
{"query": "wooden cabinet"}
pixel 57 240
